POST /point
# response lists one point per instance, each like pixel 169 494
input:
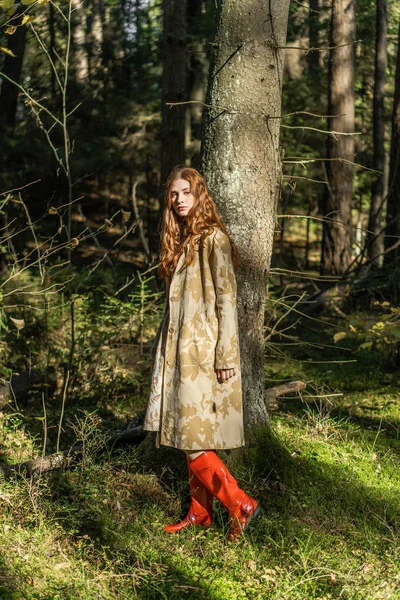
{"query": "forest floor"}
pixel 326 472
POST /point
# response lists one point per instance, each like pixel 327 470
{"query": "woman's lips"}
pixel 182 208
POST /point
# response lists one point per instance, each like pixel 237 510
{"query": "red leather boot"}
pixel 200 511
pixel 212 472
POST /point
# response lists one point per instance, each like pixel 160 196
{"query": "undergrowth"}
pixel 329 526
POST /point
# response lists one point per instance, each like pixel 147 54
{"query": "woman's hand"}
pixel 225 374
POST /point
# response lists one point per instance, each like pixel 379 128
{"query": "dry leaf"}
pixel 126 215
pixel 7 51
pixel 19 323
pixel 339 336
pixel 53 210
pixel 74 242
pixel 12 29
pixel 366 568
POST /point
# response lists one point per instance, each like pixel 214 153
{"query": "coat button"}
pixel 171 330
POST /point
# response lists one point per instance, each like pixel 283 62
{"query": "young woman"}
pixel 196 399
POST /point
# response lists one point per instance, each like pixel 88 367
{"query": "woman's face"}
pixel 182 199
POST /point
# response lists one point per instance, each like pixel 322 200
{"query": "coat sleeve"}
pixel 227 349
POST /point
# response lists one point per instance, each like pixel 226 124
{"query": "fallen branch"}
pixel 280 390
pixel 36 466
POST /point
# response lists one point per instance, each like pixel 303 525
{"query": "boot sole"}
pixel 235 535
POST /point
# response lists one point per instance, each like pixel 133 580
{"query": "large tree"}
pixel 374 240
pixel 174 84
pixel 337 236
pixel 393 207
pixel 241 160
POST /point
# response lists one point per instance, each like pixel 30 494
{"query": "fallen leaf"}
pixel 366 568
pixel 19 323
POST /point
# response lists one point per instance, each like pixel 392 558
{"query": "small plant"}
pixel 380 331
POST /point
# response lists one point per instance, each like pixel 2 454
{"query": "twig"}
pixel 27 94
pixel 313 49
pixel 290 177
pixel 128 283
pixel 19 188
pixel 302 161
pixel 332 133
pixel 228 60
pixel 62 408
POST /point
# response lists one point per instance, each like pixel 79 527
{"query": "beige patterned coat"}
pixel 188 407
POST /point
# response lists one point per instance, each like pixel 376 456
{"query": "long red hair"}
pixel 177 234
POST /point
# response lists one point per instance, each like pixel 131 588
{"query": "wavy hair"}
pixel 180 234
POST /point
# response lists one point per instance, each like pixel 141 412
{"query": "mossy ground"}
pixel 326 473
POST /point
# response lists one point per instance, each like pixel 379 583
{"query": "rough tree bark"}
pixel 337 235
pixel 174 86
pixel 374 240
pixel 393 207
pixel 241 161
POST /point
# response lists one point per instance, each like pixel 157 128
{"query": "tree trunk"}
pixel 241 161
pixel 314 69
pixel 12 67
pixel 393 208
pixel 52 52
pixel 374 240
pixel 80 60
pixel 173 85
pixel 196 81
pixel 337 235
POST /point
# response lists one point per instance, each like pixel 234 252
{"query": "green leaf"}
pixel 366 346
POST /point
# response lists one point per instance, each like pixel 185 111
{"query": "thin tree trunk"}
pixel 337 235
pixel 52 51
pixel 393 208
pixel 173 85
pixel 375 241
pixel 241 161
